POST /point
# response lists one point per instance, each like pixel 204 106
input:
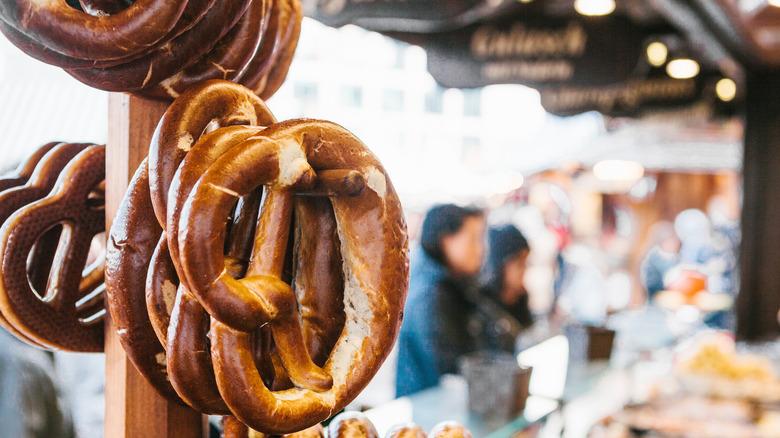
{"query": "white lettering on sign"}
pixel 630 95
pixel 518 41
pixel 531 71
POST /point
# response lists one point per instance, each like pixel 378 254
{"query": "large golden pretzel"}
pixel 304 301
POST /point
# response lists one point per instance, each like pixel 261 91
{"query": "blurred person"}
pixel 31 405
pixel 663 255
pixel 440 300
pixel 503 305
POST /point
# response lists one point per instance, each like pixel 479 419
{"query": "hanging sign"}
pixel 628 98
pixel 404 15
pixel 534 51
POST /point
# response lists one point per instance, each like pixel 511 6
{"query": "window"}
pixel 305 91
pixel 393 100
pixel 472 102
pixel 434 100
pixel 351 96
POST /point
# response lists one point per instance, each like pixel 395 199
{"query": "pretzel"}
pixel 167 59
pixel 406 430
pixel 261 365
pixel 351 424
pixel 266 71
pixel 38 174
pixel 232 428
pixel 185 120
pixel 227 60
pixel 24 170
pixel 449 429
pixel 77 34
pixel 63 316
pixel 373 242
pixel 251 41
pixel 192 375
pixel 135 235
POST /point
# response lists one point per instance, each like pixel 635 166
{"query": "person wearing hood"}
pixel 439 306
pixel 503 304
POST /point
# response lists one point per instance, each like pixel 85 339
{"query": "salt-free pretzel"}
pixel 185 42
pixel 351 424
pixel 229 58
pixel 265 73
pixel 191 374
pixel 232 428
pixel 38 182
pixel 373 242
pixel 406 430
pixel 24 170
pixel 167 59
pixel 58 319
pixel 449 429
pixel 78 34
pixel 209 105
pixel 193 13
pixel 136 233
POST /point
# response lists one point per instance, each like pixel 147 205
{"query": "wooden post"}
pixel 759 297
pixel 133 407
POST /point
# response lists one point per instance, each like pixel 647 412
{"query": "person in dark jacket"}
pixel 440 304
pixel 503 304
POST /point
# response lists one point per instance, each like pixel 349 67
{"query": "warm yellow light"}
pixel 682 68
pixel 594 7
pixel 775 3
pixel 726 89
pixel 618 170
pixel 656 54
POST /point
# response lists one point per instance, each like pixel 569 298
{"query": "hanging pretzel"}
pixel 157 48
pixel 74 33
pixel 193 13
pixel 167 59
pixel 406 430
pixel 131 243
pixel 232 428
pixel 228 59
pixel 22 173
pixel 449 429
pixel 136 233
pixel 373 242
pixel 352 424
pixel 47 162
pixel 266 71
pixel 68 314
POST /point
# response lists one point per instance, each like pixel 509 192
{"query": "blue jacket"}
pixel 435 327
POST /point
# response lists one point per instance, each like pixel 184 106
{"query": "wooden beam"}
pixel 758 302
pixel 133 407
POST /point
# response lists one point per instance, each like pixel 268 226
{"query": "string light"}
pixel 726 89
pixel 682 68
pixel 657 53
pixel 594 7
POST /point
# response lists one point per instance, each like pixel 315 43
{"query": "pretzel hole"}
pixel 96 199
pixel 43 261
pixel 90 309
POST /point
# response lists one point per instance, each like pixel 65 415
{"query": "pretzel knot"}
pixel 298 304
pixel 47 297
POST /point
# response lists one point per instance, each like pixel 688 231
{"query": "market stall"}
pixel 233 53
